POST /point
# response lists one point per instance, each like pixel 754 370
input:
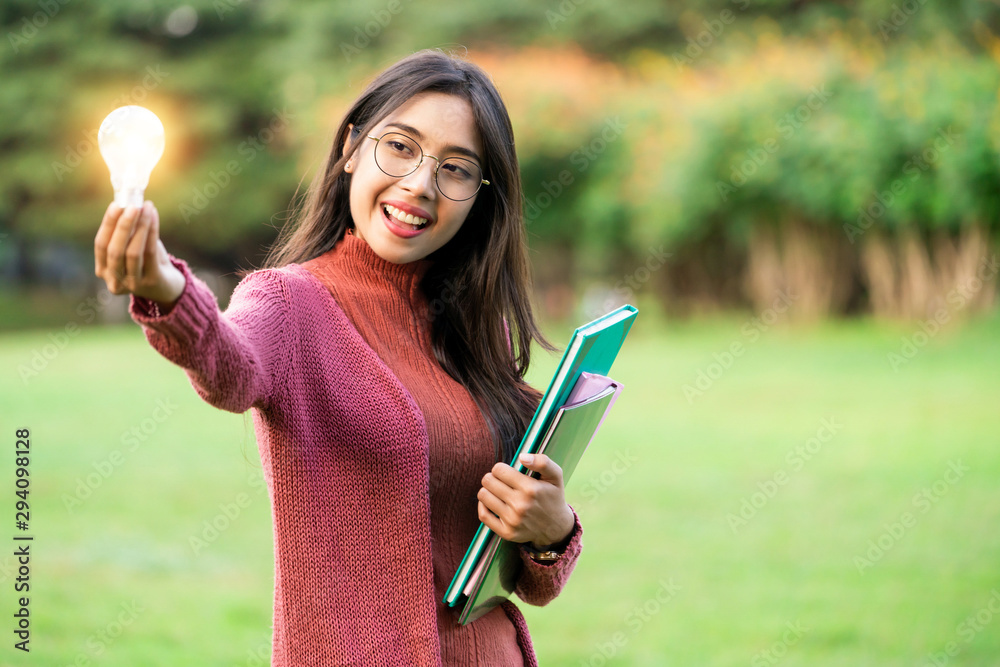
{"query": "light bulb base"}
pixel 130 197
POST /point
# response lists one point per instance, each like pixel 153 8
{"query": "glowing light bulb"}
pixel 131 142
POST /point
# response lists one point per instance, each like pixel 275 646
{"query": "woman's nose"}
pixel 421 181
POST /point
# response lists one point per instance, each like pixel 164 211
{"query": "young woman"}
pixel 382 352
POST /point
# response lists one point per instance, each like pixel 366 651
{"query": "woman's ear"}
pixel 347 146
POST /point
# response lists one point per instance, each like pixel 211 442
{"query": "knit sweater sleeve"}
pixel 539 584
pixel 232 358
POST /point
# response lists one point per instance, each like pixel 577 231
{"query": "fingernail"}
pixel 527 459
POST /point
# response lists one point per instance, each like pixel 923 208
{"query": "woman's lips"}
pixel 404 208
pixel 399 228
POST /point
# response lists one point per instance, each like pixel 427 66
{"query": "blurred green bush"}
pixel 847 154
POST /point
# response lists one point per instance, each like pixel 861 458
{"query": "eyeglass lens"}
pixel 399 155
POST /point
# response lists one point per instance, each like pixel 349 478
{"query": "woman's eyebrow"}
pixel 461 150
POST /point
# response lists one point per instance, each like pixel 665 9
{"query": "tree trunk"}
pixel 809 264
pixel 912 278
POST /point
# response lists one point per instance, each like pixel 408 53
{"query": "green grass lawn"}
pixel 870 505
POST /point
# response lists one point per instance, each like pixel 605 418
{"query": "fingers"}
pixel 505 506
pixel 103 236
pixel 510 487
pixel 135 252
pixel 507 475
pixel 153 243
pixel 506 496
pixel 494 523
pixel 525 508
pixel 497 507
pixel 161 250
pixel 127 247
pixel 502 479
pixel 115 269
pixel 491 502
pixel 548 469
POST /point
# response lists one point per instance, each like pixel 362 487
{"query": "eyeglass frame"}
pixel 482 181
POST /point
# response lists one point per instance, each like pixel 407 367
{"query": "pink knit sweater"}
pixel 346 452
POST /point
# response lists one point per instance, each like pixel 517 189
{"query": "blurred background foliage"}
pixel 707 154
pixel 839 157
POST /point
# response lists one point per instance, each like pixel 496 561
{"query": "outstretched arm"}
pixel 233 359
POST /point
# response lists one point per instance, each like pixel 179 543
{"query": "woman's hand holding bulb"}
pixel 130 258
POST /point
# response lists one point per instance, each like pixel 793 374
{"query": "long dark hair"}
pixel 478 287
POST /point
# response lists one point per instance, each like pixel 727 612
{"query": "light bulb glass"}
pixel 131 141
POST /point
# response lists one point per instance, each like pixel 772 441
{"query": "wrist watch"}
pixel 552 552
pixel 546 557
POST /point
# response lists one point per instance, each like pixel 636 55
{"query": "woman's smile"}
pixel 406 218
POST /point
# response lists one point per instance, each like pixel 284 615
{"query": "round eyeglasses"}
pixel 398 155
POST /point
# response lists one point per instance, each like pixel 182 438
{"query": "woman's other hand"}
pixel 520 508
pixel 130 258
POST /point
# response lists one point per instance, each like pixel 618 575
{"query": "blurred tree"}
pixel 754 140
pixel 198 67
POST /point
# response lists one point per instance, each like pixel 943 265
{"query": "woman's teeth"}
pixel 408 218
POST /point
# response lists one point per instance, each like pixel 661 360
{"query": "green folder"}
pixel 572 429
pixel 489 565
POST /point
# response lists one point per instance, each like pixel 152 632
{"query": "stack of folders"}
pixel 570 413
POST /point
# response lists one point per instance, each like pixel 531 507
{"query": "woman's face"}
pixel 443 126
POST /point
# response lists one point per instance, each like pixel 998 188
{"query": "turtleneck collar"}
pixel 352 266
pixel 353 254
pixel 383 300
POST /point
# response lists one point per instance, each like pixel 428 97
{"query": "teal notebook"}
pixel 572 429
pixel 592 349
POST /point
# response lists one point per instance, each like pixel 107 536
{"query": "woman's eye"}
pixel 400 148
pixel 456 171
